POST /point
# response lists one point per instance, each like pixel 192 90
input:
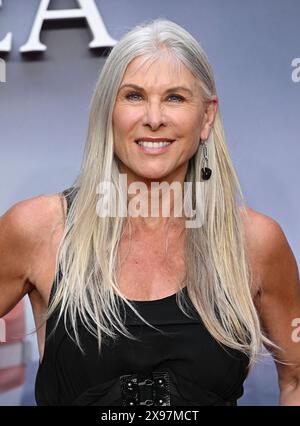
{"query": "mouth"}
pixel 152 146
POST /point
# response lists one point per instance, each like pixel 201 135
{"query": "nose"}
pixel 154 116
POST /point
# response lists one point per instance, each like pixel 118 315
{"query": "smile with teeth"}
pixel 147 144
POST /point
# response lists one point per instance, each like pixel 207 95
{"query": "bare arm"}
pixel 279 304
pixel 16 243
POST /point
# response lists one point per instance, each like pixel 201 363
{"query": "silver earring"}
pixel 205 171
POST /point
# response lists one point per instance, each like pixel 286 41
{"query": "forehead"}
pixel 163 71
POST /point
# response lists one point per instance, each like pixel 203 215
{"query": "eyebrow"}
pixel 171 89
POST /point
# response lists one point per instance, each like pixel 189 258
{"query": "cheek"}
pixel 188 121
pixel 124 120
pixel 190 131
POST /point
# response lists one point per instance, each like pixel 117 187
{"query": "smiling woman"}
pixel 141 309
pixel 159 110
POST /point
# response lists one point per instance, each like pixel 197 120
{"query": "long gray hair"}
pixel 218 277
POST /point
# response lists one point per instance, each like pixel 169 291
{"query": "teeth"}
pixel 153 144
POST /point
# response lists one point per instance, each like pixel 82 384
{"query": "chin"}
pixel 154 177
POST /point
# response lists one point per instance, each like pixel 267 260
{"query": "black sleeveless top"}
pixel 179 364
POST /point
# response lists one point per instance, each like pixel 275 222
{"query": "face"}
pixel 158 120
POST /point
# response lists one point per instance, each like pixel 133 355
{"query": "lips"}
pixel 147 139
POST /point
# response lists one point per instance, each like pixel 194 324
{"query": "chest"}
pixel 150 270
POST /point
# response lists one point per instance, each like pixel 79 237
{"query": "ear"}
pixel 210 112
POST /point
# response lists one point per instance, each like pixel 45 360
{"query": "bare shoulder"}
pixel 29 224
pixel 263 233
pixel 266 244
pixel 27 229
pixel 27 218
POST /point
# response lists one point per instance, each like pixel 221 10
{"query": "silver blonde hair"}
pixel 218 277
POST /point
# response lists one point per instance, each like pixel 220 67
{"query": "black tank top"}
pixel 181 364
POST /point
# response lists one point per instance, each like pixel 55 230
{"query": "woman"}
pixel 152 309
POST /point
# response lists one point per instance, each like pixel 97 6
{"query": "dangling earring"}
pixel 205 171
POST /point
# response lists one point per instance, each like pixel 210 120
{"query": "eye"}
pixel 177 98
pixel 136 96
pixel 133 96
